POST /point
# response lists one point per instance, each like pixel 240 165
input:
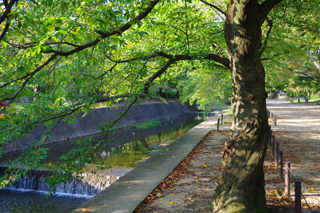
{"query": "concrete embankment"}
pixel 126 194
pixel 87 125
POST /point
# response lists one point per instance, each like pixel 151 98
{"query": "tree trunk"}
pixel 242 187
pixel 298 95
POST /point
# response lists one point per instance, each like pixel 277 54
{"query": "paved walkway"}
pixel 125 195
pixel 298 132
pixel 295 116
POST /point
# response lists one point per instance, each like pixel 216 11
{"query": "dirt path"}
pixel 298 133
pixel 190 188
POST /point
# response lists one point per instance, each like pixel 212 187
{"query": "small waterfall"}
pixel 89 185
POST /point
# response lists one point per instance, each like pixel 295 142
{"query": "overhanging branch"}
pixel 264 45
pixel 266 6
pixel 104 35
pixel 215 7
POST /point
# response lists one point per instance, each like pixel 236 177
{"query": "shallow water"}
pixel 127 148
pixel 28 201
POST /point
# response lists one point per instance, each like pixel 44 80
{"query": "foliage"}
pixel 208 81
pixel 292 43
pixel 65 57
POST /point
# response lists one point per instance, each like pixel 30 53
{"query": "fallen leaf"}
pixel 171 202
pixel 205 166
pixel 312 188
pixel 85 210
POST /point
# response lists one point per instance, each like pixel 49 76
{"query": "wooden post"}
pixel 218 124
pixel 272 145
pixel 287 180
pixel 297 200
pixel 275 120
pixel 276 156
pixel 270 136
pixel 221 119
pixel 281 164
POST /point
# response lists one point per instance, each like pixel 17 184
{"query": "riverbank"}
pixel 128 192
pixel 87 125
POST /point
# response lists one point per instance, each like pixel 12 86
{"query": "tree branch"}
pixel 5 30
pixel 104 35
pixel 215 7
pixel 8 8
pixel 32 73
pixel 266 6
pixel 124 113
pixel 221 60
pixel 214 57
pixel 61 116
pixel 264 45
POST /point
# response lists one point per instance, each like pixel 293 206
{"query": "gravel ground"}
pixel 190 188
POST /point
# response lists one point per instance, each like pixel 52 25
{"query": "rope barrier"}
pixel 301 192
pixel 272 143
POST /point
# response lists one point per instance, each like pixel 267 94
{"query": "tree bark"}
pixel 297 92
pixel 242 187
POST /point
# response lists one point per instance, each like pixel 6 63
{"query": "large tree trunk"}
pixel 242 187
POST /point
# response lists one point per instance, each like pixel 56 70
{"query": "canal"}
pixel 127 147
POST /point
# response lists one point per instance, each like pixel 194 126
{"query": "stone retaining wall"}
pixel 87 125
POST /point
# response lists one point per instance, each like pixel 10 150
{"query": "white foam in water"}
pixel 88 187
pixel 58 194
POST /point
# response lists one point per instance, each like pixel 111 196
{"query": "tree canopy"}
pixel 65 57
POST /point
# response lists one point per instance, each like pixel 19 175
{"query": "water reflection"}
pixel 119 153
pixel 126 149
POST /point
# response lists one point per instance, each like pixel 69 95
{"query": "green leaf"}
pixel 4 43
pixel 63 32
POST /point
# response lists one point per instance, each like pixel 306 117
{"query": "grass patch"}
pixel 228 121
pixel 145 125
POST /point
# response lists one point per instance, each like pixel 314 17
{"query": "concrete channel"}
pixel 125 195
